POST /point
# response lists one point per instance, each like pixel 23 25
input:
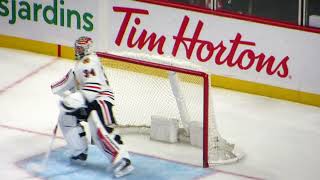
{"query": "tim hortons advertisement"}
pixel 228 47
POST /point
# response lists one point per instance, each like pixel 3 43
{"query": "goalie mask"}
pixel 83 47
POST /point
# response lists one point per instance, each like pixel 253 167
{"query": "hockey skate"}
pixel 122 168
pixel 79 159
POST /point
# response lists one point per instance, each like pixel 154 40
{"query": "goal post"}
pixel 179 78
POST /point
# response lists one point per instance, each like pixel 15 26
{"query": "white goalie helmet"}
pixel 83 47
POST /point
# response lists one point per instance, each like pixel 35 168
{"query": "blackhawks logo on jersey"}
pixel 86 61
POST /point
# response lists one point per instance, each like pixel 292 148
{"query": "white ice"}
pixel 280 138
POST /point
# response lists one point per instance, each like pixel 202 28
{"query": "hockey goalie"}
pixel 87 96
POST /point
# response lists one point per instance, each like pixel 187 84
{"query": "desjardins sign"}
pixel 52 14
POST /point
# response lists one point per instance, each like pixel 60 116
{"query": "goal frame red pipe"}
pixel 206 89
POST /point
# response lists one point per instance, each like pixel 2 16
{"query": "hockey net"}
pixel 148 88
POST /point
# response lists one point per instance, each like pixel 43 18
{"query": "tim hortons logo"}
pixel 204 50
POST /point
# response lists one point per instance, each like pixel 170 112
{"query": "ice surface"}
pixel 280 138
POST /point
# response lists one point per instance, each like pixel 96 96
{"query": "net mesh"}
pixel 142 91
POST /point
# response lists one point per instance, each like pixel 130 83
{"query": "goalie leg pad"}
pixel 111 145
pixel 74 134
pixel 123 168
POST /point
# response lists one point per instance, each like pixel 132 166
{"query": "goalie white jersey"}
pixel 88 77
pixel 86 95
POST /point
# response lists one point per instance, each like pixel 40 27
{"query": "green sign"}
pixel 52 14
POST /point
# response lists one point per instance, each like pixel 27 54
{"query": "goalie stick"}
pixel 43 165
